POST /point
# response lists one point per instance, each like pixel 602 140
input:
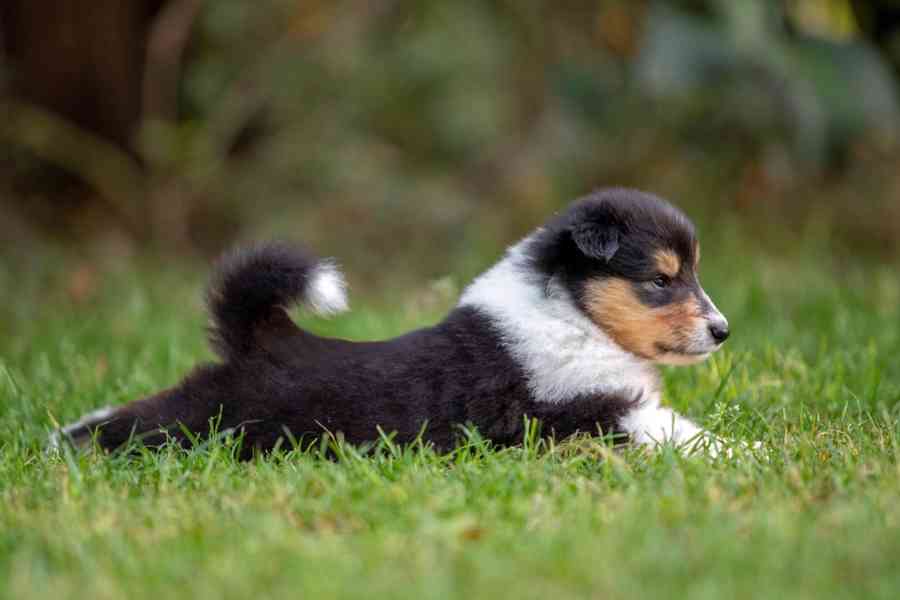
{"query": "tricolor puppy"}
pixel 567 328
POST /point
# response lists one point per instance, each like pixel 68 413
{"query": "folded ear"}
pixel 596 240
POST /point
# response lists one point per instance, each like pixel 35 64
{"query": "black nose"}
pixel 719 331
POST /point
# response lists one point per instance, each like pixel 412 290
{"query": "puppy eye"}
pixel 661 282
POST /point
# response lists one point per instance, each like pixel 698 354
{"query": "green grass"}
pixel 813 371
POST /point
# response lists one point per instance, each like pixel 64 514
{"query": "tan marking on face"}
pixel 614 306
pixel 696 255
pixel 667 262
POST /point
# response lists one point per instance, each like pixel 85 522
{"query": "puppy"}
pixel 566 328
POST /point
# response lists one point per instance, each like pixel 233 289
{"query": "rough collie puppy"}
pixel 566 328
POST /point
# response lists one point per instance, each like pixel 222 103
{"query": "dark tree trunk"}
pixel 82 60
pixel 880 22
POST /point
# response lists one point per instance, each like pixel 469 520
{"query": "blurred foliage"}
pixel 417 131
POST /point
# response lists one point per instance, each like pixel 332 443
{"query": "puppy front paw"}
pixel 713 446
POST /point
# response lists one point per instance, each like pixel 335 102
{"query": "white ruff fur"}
pixel 327 291
pixel 562 352
pixel 565 355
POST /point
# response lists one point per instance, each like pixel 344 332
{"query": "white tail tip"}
pixel 327 291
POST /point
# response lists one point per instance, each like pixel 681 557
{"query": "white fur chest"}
pixel 564 354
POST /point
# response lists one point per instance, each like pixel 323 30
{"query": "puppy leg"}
pixel 589 414
pixel 151 420
pixel 652 425
pixel 79 432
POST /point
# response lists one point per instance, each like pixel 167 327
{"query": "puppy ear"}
pixel 596 240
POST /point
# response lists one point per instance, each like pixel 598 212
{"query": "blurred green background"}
pixel 416 139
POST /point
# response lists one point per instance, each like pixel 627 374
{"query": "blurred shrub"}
pixel 740 67
pixel 407 130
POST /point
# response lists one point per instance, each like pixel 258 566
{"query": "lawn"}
pixel 812 371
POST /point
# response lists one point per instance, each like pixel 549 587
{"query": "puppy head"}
pixel 630 261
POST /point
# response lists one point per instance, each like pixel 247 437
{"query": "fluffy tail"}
pixel 250 282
